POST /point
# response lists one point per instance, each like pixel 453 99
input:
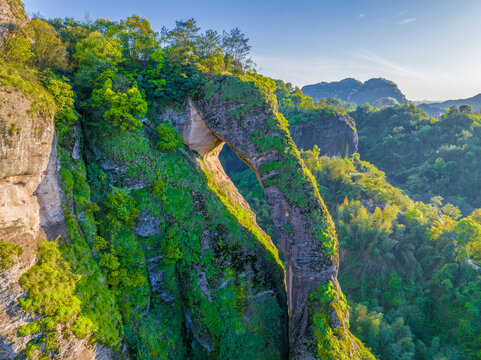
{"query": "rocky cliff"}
pixel 12 14
pixel 30 211
pixel 25 146
pixel 335 135
pixel 30 194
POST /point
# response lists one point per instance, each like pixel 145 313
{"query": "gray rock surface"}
pixel 335 136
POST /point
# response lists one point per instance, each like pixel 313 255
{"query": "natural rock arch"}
pixel 242 112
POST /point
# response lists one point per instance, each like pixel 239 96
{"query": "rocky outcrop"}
pixel 335 135
pixel 30 210
pixel 259 136
pixel 12 14
pixel 375 91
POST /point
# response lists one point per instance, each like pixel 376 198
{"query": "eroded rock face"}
pixel 197 136
pixel 50 198
pixel 12 14
pixel 335 135
pixel 25 144
pixel 312 257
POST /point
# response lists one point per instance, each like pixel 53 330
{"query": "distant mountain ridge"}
pixel 436 109
pixel 377 91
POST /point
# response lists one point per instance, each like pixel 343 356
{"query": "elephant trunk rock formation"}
pixel 242 112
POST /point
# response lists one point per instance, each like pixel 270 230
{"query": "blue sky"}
pixel 430 48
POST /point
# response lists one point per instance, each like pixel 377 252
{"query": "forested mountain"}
pixel 377 92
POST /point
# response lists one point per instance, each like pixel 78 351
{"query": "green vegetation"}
pixel 290 175
pixel 159 259
pixel 169 138
pixel 7 254
pixel 219 288
pixel 299 108
pixel 409 268
pixel 50 285
pixel 398 263
pixel 332 344
pixel 425 156
pixel 121 108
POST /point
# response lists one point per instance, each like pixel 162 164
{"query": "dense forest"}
pixel 160 264
pixel 422 155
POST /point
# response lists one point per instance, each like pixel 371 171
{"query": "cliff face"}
pixel 30 195
pixel 31 200
pixel 25 146
pixel 334 135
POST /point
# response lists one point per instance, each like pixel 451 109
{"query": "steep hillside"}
pixel 378 92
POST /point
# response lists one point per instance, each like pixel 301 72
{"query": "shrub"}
pixel 121 210
pixel 169 138
pixel 7 251
pixel 121 108
pixel 50 285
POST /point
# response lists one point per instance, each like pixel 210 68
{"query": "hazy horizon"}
pixel 429 49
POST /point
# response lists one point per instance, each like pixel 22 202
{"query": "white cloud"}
pixel 361 16
pixel 387 66
pixel 407 21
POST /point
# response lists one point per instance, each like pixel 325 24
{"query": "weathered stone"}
pixel 30 210
pixel 50 197
pixel 334 135
pixel 24 155
pixel 12 14
pixel 147 224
